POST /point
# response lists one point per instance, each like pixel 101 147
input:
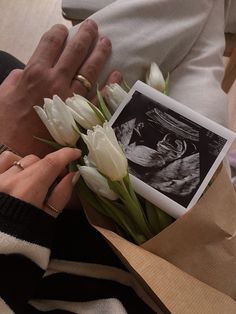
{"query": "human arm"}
pixel 26 222
pixel 49 71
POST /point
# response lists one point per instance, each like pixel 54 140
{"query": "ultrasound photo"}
pixel 167 151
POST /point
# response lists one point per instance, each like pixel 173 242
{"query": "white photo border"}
pixel 154 196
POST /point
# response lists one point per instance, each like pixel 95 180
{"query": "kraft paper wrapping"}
pixel 190 266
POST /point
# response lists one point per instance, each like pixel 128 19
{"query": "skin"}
pixel 50 70
pixel 33 182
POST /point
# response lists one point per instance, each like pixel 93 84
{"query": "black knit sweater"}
pixel 60 265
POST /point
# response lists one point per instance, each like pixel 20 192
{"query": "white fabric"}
pixel 185 37
pixel 106 306
pixel 102 272
pixel 36 253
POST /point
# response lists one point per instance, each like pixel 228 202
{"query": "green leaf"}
pixel 116 187
pixel 103 106
pixel 152 217
pixel 164 219
pixel 167 84
pixel 118 214
pixel 51 143
pixel 72 167
pixel 86 193
pixel 100 114
pixel 110 209
pixel 134 209
pixel 130 188
pixel 125 86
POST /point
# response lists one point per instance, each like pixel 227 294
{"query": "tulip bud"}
pixel 83 112
pixel 105 152
pixel 155 79
pixel 58 120
pixel 114 95
pixel 97 183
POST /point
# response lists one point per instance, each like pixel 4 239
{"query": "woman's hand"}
pixel 51 70
pixel 30 178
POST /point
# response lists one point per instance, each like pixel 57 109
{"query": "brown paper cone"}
pixel 189 267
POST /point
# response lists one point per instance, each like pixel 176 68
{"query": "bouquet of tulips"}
pixel 103 178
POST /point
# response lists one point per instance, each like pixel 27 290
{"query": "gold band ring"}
pixel 52 208
pixel 18 164
pixel 83 81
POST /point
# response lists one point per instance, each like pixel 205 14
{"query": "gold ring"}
pixel 83 81
pixel 18 164
pixel 52 208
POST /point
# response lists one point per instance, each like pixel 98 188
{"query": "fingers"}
pixel 48 169
pixel 7 159
pixel 60 195
pixel 31 181
pixel 114 77
pixel 50 46
pixel 77 50
pixel 92 67
pixel 23 164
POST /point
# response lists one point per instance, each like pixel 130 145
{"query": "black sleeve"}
pixel 26 233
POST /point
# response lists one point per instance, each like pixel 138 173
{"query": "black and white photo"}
pixel 168 150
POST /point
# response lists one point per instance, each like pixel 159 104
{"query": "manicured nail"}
pixel 77 151
pixel 105 41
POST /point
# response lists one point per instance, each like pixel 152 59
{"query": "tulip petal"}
pixel 155 78
pixel 115 94
pixel 106 153
pixel 52 130
pixel 96 182
pixel 83 112
pixel 59 121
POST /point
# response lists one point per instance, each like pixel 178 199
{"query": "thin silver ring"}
pixel 83 81
pixel 18 164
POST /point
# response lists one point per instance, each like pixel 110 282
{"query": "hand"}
pixel 51 70
pixel 31 183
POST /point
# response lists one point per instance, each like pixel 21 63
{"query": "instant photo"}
pixel 172 151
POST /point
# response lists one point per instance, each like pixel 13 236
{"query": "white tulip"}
pixel 97 183
pixel 155 79
pixel 105 152
pixel 114 95
pixel 59 121
pixel 82 112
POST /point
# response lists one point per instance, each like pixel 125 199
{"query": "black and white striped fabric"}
pixel 60 266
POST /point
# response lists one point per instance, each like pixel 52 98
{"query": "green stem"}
pixel 122 220
pixel 113 210
pixel 135 210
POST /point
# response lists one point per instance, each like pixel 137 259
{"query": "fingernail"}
pixel 92 23
pixel 75 178
pixel 105 41
pixel 77 151
pixel 117 76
